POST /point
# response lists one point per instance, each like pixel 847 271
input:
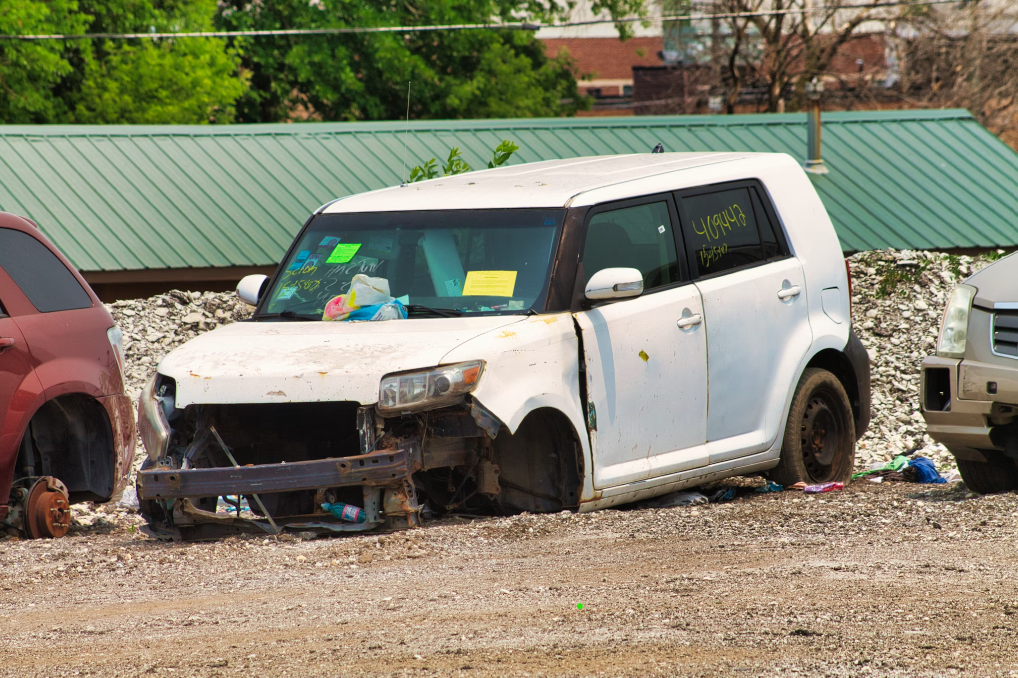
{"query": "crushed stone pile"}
pixel 155 326
pixel 898 299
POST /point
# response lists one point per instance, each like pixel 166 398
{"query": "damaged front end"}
pixel 221 469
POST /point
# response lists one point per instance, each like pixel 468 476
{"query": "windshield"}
pixel 467 261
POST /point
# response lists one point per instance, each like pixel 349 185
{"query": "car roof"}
pixel 550 183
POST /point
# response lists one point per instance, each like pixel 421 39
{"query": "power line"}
pixel 518 26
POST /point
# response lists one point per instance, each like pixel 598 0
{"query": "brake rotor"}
pixel 47 511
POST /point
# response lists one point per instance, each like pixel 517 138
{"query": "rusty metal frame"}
pixel 379 468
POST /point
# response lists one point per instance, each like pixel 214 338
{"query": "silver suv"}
pixel 970 387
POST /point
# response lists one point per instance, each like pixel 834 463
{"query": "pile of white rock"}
pixel 155 326
pixel 897 303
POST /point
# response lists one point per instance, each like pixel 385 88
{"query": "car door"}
pixel 15 371
pixel 645 376
pixel 754 300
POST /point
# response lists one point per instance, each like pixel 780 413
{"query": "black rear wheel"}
pixel 997 474
pixel 819 442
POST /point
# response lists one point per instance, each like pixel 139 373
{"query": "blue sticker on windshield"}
pixel 328 241
pixel 299 261
pixel 312 261
pixel 548 221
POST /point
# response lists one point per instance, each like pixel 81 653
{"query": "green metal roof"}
pixel 127 198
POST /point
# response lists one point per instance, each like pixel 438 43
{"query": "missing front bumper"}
pixel 384 475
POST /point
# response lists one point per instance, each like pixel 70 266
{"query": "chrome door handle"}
pixel 788 292
pixel 688 321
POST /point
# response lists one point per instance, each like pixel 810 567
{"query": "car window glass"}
pixel 637 237
pixel 768 234
pixel 41 276
pixel 721 229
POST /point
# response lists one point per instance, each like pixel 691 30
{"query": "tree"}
pixel 115 81
pixel 184 81
pixel 962 57
pixel 454 74
pixel 30 70
pixel 794 46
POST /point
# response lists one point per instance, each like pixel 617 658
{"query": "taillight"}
pixel 848 272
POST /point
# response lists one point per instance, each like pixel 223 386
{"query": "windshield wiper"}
pixel 440 312
pixel 285 315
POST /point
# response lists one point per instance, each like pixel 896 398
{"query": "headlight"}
pixel 954 328
pixel 116 337
pixel 152 423
pixel 427 389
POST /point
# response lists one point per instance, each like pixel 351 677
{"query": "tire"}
pixel 819 441
pixel 997 474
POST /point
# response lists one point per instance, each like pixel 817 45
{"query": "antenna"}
pixel 407 133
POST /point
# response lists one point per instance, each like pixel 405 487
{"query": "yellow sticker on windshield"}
pixel 343 253
pixel 489 284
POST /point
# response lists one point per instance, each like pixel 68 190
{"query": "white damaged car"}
pixel 579 334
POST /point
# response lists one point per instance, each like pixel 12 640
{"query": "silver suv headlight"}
pixel 955 325
pixel 427 389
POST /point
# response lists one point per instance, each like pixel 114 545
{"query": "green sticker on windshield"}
pixel 343 253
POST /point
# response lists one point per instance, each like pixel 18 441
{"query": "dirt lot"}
pixel 892 579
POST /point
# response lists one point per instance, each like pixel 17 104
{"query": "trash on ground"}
pixel 680 498
pixel 797 486
pixel 724 494
pixel 771 486
pixel 923 471
pixel 347 512
pixel 823 487
pixel 896 464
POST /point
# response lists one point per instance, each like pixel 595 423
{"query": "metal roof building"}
pixel 153 207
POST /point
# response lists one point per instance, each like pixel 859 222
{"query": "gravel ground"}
pixel 883 580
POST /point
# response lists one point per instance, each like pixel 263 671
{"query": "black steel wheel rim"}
pixel 820 434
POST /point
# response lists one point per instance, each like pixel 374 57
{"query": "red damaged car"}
pixel 66 426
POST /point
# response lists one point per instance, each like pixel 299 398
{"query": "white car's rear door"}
pixel 754 298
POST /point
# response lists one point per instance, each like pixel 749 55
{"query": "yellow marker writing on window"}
pixel 489 284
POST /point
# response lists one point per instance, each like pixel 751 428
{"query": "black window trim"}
pixel 580 302
pixel 765 200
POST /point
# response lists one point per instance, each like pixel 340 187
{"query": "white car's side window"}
pixel 728 228
pixel 637 237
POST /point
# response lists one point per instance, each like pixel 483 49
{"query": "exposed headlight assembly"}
pixel 153 426
pixel 954 327
pixel 427 389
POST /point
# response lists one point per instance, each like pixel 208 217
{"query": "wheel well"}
pixel 541 465
pixel 70 437
pixel 837 363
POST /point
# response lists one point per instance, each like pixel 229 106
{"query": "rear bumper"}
pixel 963 426
pixel 120 410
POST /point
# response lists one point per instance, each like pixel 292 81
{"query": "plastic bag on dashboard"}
pixel 367 299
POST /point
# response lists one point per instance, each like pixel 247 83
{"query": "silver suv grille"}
pixel 1005 333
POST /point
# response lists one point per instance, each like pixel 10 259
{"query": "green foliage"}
pixel 122 81
pixel 503 152
pixel 186 81
pixel 454 74
pixel 455 164
pixel 895 276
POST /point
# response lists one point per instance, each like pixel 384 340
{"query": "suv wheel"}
pixel 997 474
pixel 819 442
